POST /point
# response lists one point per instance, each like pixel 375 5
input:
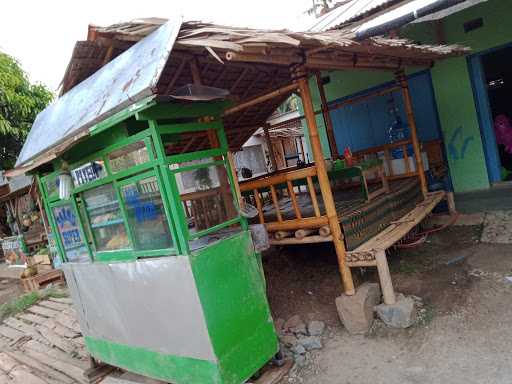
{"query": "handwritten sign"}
pixel 144 210
pixel 68 226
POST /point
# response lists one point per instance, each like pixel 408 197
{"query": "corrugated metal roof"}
pixel 347 12
pixel 129 78
pixel 449 11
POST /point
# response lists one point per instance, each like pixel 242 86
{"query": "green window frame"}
pixel 219 158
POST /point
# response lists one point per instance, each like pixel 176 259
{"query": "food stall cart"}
pixel 160 263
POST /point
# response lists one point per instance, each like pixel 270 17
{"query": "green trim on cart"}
pixel 157 365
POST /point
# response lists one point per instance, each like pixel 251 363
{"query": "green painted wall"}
pixel 452 87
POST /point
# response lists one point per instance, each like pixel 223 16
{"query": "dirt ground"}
pixel 464 335
pixel 9 289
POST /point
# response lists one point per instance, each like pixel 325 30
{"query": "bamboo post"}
pixel 402 80
pixel 325 188
pixel 270 148
pixel 386 284
pixel 231 162
pixel 327 117
pixel 324 231
pixel 451 203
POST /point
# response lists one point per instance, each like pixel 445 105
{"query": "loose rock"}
pixel 311 342
pixel 296 325
pixel 292 322
pixel 316 328
pixel 298 349
pixel 279 325
pixel 402 314
pixel 289 340
pixel 356 312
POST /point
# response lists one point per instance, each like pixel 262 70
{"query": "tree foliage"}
pixel 20 102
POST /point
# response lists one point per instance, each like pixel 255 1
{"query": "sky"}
pixel 41 34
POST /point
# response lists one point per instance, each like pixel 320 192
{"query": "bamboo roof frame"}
pixel 255 65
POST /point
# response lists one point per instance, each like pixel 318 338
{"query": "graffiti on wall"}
pixel 459 144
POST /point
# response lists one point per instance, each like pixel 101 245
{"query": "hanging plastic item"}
pixel 398 131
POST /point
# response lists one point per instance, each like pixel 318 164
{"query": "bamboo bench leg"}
pixel 450 199
pixel 385 277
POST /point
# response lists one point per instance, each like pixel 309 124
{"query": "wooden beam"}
pixel 237 81
pixel 260 99
pixel 194 70
pixel 270 148
pixel 325 187
pixel 402 80
pixel 386 285
pixel 327 117
pixel 176 76
pixel 108 55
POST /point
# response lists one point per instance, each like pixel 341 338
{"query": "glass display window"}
pixel 129 156
pixel 206 194
pixel 106 220
pixel 146 215
pixel 68 226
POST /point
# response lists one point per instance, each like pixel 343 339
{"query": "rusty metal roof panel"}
pixel 129 78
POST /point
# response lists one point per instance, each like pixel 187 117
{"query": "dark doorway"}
pixel 497 71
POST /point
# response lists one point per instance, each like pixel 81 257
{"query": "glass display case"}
pixel 105 218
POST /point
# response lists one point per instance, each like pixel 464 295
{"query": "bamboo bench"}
pixel 373 252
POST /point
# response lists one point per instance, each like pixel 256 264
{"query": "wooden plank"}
pixel 64 300
pixel 28 330
pixel 70 370
pixel 54 305
pixel 21 375
pixel 56 353
pixel 55 339
pixel 36 319
pixel 10 333
pixel 4 379
pixel 60 329
pixel 68 321
pixel 37 366
pixel 275 374
pixel 7 363
pixel 38 310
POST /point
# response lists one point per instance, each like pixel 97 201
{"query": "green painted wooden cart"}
pixel 160 263
pixel 161 266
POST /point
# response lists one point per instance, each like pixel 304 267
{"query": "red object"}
pixel 347 154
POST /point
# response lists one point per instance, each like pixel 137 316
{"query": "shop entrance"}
pixel 492 82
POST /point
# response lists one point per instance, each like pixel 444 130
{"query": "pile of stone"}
pixel 298 339
pixel 357 312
